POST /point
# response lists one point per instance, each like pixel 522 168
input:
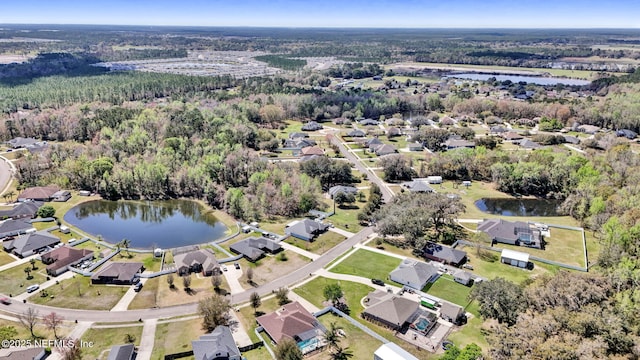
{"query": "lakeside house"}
pixel 59 260
pixel 26 209
pixel 444 254
pixel 196 261
pixel 118 273
pixel 32 243
pixel 511 232
pixel 38 193
pixel 255 248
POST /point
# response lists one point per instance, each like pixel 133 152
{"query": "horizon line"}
pixel 331 27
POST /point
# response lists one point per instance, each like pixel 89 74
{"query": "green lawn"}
pixel 14 281
pixel 367 264
pixel 175 337
pixel 320 245
pixel 105 338
pixel 471 332
pixel 5 258
pixel 446 288
pixel 360 343
pixel 40 330
pixel 353 293
pixel 491 268
pixel 147 297
pixel 577 74
pixel 347 218
pixel 79 293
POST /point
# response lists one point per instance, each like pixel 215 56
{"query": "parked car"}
pixel 223 267
pixel 5 300
pixel 33 288
pixel 237 266
pixel 137 287
pixel 377 282
pixel 467 266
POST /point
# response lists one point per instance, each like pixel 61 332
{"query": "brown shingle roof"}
pixel 122 271
pixel 39 192
pixel 287 322
pixel 64 256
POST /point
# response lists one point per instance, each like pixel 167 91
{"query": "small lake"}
pixel 147 224
pixel 538 80
pixel 519 207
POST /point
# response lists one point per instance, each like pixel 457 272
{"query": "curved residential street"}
pixel 158 313
pixel 6 171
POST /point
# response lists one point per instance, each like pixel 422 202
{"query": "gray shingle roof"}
pixel 391 308
pixel 450 310
pixel 340 188
pixel 445 253
pixel 30 242
pixel 418 186
pixel 414 273
pixel 23 209
pixel 121 352
pixel 204 257
pixel 253 248
pixel 306 228
pixel 122 271
pixel 219 344
pixel 14 226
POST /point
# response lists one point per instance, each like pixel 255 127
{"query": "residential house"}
pixel 306 229
pixel 27 209
pixel 444 254
pixel 61 196
pixel 415 146
pixel 368 122
pixel 418 186
pixel 588 129
pixel 390 310
pixel 293 321
pixel 393 131
pixel 38 193
pixel 255 248
pixel 197 261
pixel 356 133
pixel 122 352
pixel 23 353
pixel 298 135
pixel 15 227
pixel 391 351
pixel 32 243
pixel 311 126
pixel 452 313
pixel 394 122
pixel 629 134
pixel 373 144
pixel 571 139
pixel 20 142
pixel 118 273
pixel 298 143
pixel 385 149
pixel 447 121
pixel 515 258
pixel 414 274
pixel 499 129
pixel 528 144
pixel 462 277
pixel 453 143
pixel 512 136
pixel 217 345
pixel 510 232
pixel 434 179
pixel 343 189
pixel 311 150
pixel 58 260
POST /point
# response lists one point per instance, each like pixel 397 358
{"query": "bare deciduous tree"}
pixel 53 321
pixel 29 319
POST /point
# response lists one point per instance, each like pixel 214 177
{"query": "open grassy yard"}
pixel 576 74
pixel 353 293
pixel 270 268
pixel 5 258
pixel 367 264
pixel 471 332
pixel 360 343
pixel 175 337
pixel 40 330
pixel 322 243
pixel 347 218
pixel 446 288
pixel 147 296
pixel 79 293
pixel 200 288
pixel 14 280
pixel 104 338
pixel 491 268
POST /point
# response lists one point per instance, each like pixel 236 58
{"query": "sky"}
pixel 329 13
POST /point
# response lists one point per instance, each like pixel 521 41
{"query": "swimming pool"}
pixel 308 346
pixel 422 324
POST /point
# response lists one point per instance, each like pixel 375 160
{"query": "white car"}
pixel 33 288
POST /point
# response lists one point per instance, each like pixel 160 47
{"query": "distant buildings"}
pixel 306 229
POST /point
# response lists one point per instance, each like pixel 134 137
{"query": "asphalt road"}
pixel 387 195
pixel 186 309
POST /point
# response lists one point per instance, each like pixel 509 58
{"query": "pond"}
pixel 147 224
pixel 519 207
pixel 538 80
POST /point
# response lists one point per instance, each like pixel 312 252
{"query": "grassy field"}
pixel 147 296
pixel 322 244
pixel 79 293
pixel 471 332
pixel 175 337
pixel 40 331
pixel 367 264
pixel 347 219
pixel 200 288
pixel 491 268
pixel 446 288
pixel 5 258
pixel 360 343
pixel 14 280
pixel 104 338
pixel 270 268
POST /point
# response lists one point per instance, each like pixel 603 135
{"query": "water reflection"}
pixel 519 207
